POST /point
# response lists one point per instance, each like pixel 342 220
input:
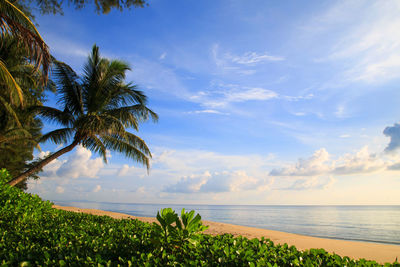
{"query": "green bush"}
pixel 32 233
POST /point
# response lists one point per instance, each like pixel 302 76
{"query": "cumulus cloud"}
pixel 125 170
pixel 360 162
pixel 320 163
pixel 78 164
pixel 393 132
pixel 315 165
pixel 219 182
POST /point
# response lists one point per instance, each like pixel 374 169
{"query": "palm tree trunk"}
pixel 42 163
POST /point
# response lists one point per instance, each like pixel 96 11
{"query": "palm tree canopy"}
pixel 98 108
pixel 14 21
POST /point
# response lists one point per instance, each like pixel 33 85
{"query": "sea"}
pixel 378 224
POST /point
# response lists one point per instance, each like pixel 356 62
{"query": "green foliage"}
pixel 18 127
pixel 101 6
pixel 4 176
pixel 174 231
pixel 32 233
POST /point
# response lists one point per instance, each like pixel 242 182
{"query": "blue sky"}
pixel 261 102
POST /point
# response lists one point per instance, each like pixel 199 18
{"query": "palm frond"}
pixel 69 87
pixel 59 136
pixel 96 145
pixel 10 82
pixel 10 111
pixel 54 115
pixel 15 134
pixel 125 95
pixel 138 142
pixel 14 21
pixel 127 149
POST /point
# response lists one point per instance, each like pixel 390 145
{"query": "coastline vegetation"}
pixel 32 233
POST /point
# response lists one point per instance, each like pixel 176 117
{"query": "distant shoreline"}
pixel 381 253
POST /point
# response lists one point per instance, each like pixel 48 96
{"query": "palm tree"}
pixel 96 111
pixel 14 22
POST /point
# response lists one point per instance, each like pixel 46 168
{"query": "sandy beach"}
pixel 372 251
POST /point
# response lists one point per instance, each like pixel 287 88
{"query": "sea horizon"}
pixel 364 223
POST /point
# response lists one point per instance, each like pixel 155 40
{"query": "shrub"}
pixel 32 233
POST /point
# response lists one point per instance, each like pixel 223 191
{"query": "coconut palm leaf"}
pixel 96 112
pixel 68 87
pixel 14 21
pixel 96 145
pixel 54 115
pixel 10 82
pixel 126 149
pixel 59 136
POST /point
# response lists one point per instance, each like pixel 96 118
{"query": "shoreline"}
pixel 381 253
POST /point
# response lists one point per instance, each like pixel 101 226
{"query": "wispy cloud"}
pixel 162 56
pixel 226 94
pixel 368 48
pixel 251 58
pixel 221 95
pixel 241 64
pixel 207 111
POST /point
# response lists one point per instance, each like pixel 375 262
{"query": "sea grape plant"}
pixel 32 233
pixel 176 230
pixel 4 176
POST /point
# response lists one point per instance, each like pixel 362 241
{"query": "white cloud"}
pixel 96 189
pixel 218 182
pixel 78 164
pixel 244 64
pixel 321 164
pixel 251 58
pixel 60 189
pixel 360 162
pixel 223 95
pixel 315 165
pixel 162 56
pixel 207 111
pixel 125 170
pixel 345 136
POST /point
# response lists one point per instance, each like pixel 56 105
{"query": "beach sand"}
pixel 371 251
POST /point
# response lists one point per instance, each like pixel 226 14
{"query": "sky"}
pixel 260 102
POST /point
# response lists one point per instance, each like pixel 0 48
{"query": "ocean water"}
pixel 380 224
